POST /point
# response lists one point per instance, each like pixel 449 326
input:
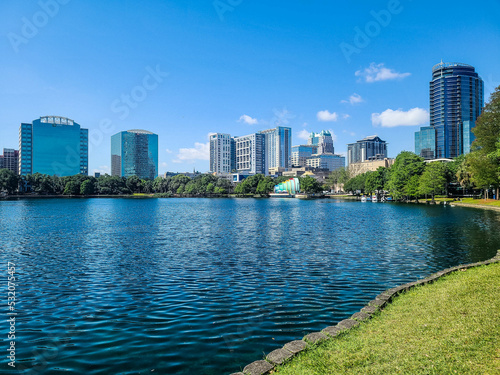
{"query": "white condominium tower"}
pixel 221 153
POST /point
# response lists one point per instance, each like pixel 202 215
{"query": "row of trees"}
pixel 111 185
pixel 260 184
pixel 409 178
pixel 202 185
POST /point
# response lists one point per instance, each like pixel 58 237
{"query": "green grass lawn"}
pixel 489 202
pixel 449 327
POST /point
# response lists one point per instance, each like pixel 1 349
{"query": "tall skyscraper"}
pixel 250 153
pixel 53 145
pixel 323 141
pixel 134 153
pixel 10 160
pixel 456 101
pixel 222 153
pixel 369 148
pixel 278 147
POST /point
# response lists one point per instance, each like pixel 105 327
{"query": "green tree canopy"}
pixel 483 163
pixel 8 181
pixel 433 180
pixel 71 188
pixel 87 188
pixel 310 185
pixel 406 165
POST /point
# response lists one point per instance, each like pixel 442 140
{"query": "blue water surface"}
pixel 206 286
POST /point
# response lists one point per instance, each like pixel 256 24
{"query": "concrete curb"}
pixel 281 355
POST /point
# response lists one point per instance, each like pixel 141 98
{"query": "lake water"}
pixel 206 286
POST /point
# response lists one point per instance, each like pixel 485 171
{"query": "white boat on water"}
pixel 374 198
pixel 365 199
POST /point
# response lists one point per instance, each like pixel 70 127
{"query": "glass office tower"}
pixel 456 101
pixel 53 145
pixel 425 142
pixel 134 153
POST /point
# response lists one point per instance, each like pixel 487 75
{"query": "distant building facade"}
pixel 134 153
pixel 425 142
pixel 53 145
pixel 456 94
pixel 327 161
pixel 300 153
pixel 250 153
pixel 369 148
pixel 264 152
pixel 278 147
pixel 222 153
pixel 10 160
pixel 323 141
pixel 369 166
pixel 318 153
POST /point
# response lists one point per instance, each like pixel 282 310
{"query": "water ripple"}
pixel 205 286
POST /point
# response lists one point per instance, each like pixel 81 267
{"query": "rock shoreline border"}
pixel 292 348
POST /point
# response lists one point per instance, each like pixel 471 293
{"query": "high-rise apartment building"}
pixel 222 153
pixel 278 147
pixel 456 101
pixel 10 160
pixel 323 141
pixel 53 145
pixel 257 153
pixel 134 153
pixel 369 148
pixel 250 153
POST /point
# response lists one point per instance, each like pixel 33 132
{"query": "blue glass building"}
pixel 134 153
pixel 425 142
pixel 456 101
pixel 53 145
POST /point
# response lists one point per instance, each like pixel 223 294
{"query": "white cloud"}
pixel 327 116
pixel 282 117
pixel 200 151
pixel 346 116
pixel 248 120
pixel 391 118
pixel 303 134
pixel 305 124
pixel 163 164
pixel 378 72
pixel 353 99
pixel 168 151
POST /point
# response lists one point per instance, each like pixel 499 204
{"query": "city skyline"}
pixel 303 72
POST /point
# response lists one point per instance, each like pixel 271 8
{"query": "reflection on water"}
pixel 206 286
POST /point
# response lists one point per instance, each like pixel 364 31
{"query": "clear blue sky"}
pixel 235 66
